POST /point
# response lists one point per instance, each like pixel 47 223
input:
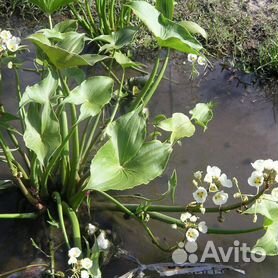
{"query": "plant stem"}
pixel 50 21
pixel 93 25
pixel 173 209
pixel 28 215
pixel 171 220
pixel 155 85
pixel 147 86
pixel 131 214
pixel 5 274
pixel 75 146
pixel 74 223
pixel 58 200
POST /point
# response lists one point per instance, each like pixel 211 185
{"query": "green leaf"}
pixel 128 134
pixel 126 160
pixel 117 40
pixel 66 26
pixel 76 74
pixel 92 95
pixel 108 174
pixel 40 92
pixel 95 256
pixel 168 33
pixel 125 62
pixel 62 58
pixel 268 207
pixel 180 126
pixel 202 114
pixel 166 7
pixel 51 6
pixel 194 28
pixel 42 134
pixel 73 42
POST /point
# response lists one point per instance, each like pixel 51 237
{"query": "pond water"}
pixel 243 130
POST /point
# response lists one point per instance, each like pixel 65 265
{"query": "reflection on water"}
pixel 243 130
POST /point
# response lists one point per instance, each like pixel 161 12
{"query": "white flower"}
pixel 261 165
pixel 5 35
pixel 84 274
pixel 269 164
pixel 192 234
pixel 256 179
pixel 91 229
pixel 102 242
pixel 192 58
pixel 274 193
pixel 202 227
pixel 203 210
pixel 193 218
pixel 72 260
pixel 10 65
pixel 225 181
pixel 74 252
pixel 275 166
pixel 212 173
pixel 185 216
pixel 200 195
pixel 174 226
pixel 86 263
pixel 220 198
pixel 12 44
pixel 201 61
pixel 198 175
pixel 213 188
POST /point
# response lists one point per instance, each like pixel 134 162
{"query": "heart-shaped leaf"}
pixel 51 6
pixel 202 114
pixel 62 58
pixel 117 40
pixel 126 160
pixel 42 133
pixel 92 95
pixel 128 134
pixel 168 33
pixel 180 126
pixel 40 92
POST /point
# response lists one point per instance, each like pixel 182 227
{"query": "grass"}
pixel 242 35
pixel 236 29
pixel 20 8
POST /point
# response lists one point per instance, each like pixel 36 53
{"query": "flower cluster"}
pixel 81 266
pixel 263 170
pixel 193 58
pixel 215 180
pixel 192 226
pixel 8 42
pixel 102 242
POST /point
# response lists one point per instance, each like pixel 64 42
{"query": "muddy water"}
pixel 243 130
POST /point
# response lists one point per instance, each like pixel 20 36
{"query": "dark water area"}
pixel 243 129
